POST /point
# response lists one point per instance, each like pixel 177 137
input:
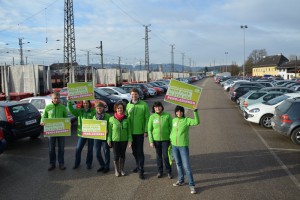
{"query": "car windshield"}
pixel 120 90
pixel 276 100
pixel 22 111
pixel 101 92
pixel 108 90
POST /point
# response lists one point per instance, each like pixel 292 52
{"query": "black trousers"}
pixel 119 149
pixel 161 148
pixel 138 151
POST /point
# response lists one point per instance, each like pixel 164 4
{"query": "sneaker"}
pixel 141 176
pixel 51 167
pixel 178 184
pixel 159 175
pixel 62 167
pixel 170 176
pixel 193 190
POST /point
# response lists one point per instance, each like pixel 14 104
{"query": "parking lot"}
pixel 230 158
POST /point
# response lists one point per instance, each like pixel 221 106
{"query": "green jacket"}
pixel 81 114
pixel 55 111
pixel 138 115
pixel 180 130
pixel 159 127
pixel 119 130
pixel 106 118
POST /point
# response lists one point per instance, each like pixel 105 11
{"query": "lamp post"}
pixel 226 54
pixel 244 27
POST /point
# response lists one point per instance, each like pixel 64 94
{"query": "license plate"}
pixel 30 122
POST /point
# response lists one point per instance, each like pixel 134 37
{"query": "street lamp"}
pixel 226 54
pixel 244 27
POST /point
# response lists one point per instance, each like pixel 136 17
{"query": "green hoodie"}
pixel 81 114
pixel 55 111
pixel 159 127
pixel 180 129
pixel 119 131
pixel 138 115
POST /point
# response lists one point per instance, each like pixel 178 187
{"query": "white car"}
pixel 118 92
pixel 261 113
pixel 40 102
pixel 152 92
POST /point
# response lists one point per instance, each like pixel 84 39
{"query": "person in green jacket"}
pixel 85 112
pixel 102 144
pixel 159 129
pixel 138 116
pixel 119 136
pixel 180 145
pixel 55 110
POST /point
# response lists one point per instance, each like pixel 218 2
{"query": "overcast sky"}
pixel 201 29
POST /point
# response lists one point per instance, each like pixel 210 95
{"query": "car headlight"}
pixel 254 110
pixel 113 100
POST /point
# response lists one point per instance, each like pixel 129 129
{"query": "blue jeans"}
pixel 80 144
pixel 61 150
pixel 102 144
pixel 181 155
pixel 161 148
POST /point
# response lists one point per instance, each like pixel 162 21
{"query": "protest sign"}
pixel 81 91
pixel 95 129
pixel 55 127
pixel 185 95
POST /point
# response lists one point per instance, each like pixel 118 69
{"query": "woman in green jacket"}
pixel 85 112
pixel 159 128
pixel 119 136
pixel 180 145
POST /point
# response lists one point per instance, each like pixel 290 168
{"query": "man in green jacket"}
pixel 138 116
pixel 55 110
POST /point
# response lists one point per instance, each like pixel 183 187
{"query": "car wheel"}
pixel 35 136
pixel 295 137
pixel 265 121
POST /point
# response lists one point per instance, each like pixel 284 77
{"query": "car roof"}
pixel 11 103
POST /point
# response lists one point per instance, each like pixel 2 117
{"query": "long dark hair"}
pixel 179 108
pixel 90 104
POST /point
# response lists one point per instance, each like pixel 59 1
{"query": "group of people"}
pixel 128 127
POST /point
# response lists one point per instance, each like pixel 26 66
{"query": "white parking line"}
pixel 282 165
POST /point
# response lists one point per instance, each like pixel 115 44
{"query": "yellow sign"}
pixel 95 129
pixel 81 91
pixel 56 127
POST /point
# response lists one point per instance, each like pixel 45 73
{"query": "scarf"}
pixel 119 117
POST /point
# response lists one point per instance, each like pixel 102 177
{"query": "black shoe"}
pixel 100 169
pixel 75 166
pixel 141 176
pixel 62 167
pixel 105 170
pixel 135 170
pixel 170 175
pixel 51 167
pixel 159 175
pixel 89 167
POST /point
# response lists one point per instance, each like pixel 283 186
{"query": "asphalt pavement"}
pixel 230 159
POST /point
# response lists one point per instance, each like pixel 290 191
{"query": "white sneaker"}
pixel 193 190
pixel 178 184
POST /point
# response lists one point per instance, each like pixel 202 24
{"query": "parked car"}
pixel 286 119
pixel 296 88
pixel 280 89
pixel 19 120
pixel 142 86
pixel 128 88
pixel 258 97
pixel 261 113
pixel 152 92
pixel 2 141
pixel 125 96
pixel 109 99
pixel 40 102
pixel 158 90
pixel 240 91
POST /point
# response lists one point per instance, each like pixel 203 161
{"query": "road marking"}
pixel 280 149
pixel 282 165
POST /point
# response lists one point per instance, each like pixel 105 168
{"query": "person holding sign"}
pixel 85 112
pixel 180 145
pixel 138 116
pixel 55 110
pixel 119 136
pixel 159 128
pixel 102 144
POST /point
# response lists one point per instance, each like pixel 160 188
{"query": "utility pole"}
pixel 69 42
pixel 296 67
pixel 101 54
pixel 182 62
pixel 147 64
pixel 172 57
pixel 21 51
